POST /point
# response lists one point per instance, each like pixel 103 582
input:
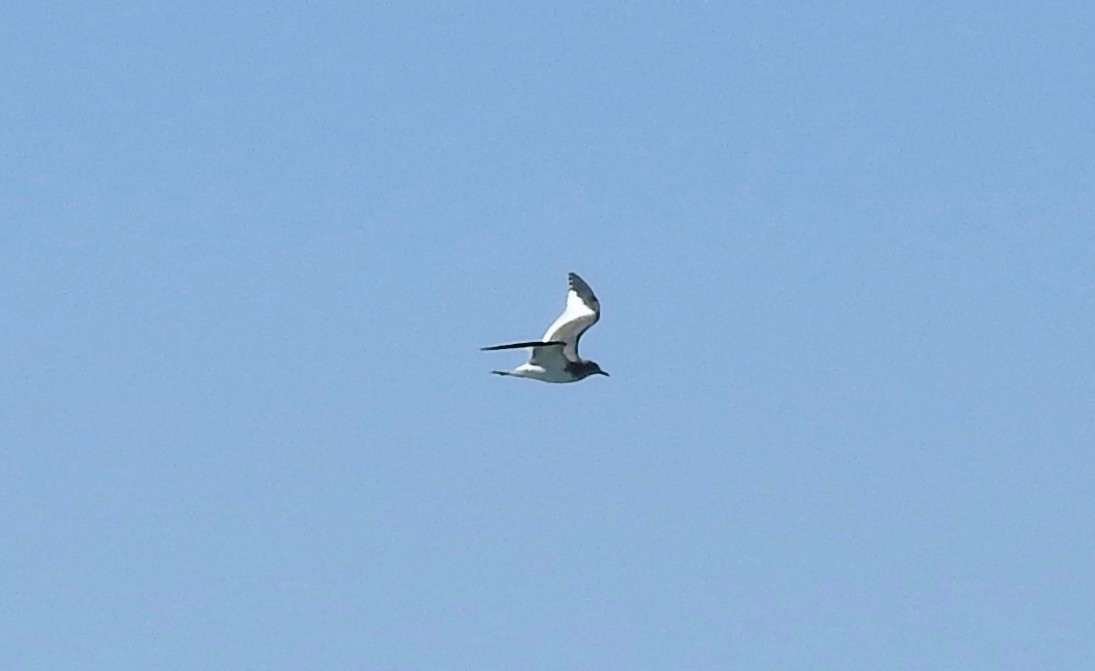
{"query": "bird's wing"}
pixel 582 311
pixel 548 355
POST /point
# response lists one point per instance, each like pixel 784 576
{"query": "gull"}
pixel 554 358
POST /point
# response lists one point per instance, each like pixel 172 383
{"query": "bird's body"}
pixel 554 358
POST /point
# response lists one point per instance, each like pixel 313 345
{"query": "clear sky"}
pixel 845 253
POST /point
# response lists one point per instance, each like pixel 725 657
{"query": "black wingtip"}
pixel 519 345
pixel 579 286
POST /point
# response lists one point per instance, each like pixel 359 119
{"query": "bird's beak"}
pixel 604 373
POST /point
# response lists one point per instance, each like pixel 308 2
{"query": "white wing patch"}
pixel 582 311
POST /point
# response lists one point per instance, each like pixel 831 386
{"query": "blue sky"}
pixel 844 251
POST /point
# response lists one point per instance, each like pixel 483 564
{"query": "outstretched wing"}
pixel 547 355
pixel 582 311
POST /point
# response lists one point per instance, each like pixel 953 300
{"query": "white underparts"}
pixel 534 372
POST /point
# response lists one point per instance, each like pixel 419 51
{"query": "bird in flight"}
pixel 554 358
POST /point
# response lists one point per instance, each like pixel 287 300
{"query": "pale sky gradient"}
pixel 845 253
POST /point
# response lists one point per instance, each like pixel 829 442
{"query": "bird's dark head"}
pixel 582 369
pixel 593 369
